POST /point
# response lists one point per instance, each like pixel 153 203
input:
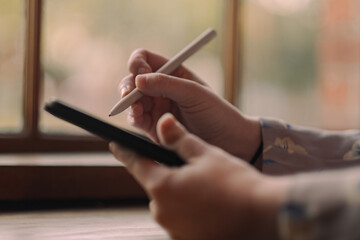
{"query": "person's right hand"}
pixel 191 101
pixel 213 196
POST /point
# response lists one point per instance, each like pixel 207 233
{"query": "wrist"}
pixel 246 138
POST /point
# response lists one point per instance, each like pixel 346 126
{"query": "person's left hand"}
pixel 214 196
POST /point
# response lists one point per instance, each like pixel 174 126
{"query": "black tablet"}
pixel 128 139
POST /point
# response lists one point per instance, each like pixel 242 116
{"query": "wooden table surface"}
pixel 110 223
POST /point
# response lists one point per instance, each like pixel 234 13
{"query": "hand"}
pixel 191 101
pixel 214 196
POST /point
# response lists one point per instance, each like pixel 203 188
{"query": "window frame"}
pixel 31 140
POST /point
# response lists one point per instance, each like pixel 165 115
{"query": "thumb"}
pixel 175 137
pixel 182 91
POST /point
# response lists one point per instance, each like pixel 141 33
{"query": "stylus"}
pixel 167 68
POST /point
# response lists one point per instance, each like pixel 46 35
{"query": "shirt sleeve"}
pixel 322 206
pixel 292 149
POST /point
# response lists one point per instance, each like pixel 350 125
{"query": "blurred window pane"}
pixel 11 65
pixel 86 45
pixel 302 61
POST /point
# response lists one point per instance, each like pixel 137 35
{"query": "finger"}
pixel 143 61
pixel 144 123
pixel 136 110
pixel 137 116
pixel 174 136
pixel 126 85
pixel 147 103
pixel 182 91
pixel 148 173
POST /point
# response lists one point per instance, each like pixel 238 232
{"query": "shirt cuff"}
pixel 290 149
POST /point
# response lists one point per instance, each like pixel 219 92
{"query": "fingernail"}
pixel 172 128
pixel 143 70
pixel 125 90
pixel 121 154
pixel 140 81
pixel 112 146
pixel 134 107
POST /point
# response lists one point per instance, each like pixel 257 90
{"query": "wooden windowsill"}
pixel 29 177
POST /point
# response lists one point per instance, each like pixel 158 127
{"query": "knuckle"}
pixel 197 88
pixel 157 188
pixel 141 51
pixel 160 187
pixel 163 81
pixel 160 217
pixel 161 213
pixel 158 77
pixel 191 151
pixel 127 81
pixel 130 160
pixel 137 57
pixel 190 146
pixel 161 77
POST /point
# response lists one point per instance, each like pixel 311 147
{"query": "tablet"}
pixel 126 138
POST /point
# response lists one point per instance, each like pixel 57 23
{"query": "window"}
pixel 77 50
pixel 301 61
pixel 11 65
pixel 86 45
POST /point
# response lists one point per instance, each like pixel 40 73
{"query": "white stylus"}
pixel 167 68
